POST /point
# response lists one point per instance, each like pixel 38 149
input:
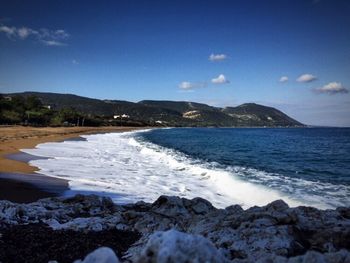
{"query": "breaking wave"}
pixel 128 168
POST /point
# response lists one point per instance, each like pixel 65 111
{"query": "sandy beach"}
pixel 18 181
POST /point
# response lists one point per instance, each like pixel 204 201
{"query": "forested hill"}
pixel 165 113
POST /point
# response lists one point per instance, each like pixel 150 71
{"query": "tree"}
pixel 33 103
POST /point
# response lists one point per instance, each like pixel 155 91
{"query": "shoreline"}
pixel 18 180
pixel 15 138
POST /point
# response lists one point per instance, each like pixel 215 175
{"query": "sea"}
pixel 245 166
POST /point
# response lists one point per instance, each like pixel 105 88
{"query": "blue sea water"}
pixel 296 161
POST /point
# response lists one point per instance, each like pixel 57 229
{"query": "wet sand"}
pixel 18 181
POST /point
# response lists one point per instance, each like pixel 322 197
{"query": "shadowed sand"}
pixel 28 188
pixel 18 182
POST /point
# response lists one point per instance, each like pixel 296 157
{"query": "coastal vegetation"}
pixel 31 110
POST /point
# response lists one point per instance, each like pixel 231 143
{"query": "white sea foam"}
pixel 129 170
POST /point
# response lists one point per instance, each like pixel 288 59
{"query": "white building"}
pixel 124 116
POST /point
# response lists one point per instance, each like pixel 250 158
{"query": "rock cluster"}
pixel 180 230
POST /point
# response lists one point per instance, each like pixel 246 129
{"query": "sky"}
pixel 293 55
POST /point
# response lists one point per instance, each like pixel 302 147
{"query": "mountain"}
pixel 259 115
pixel 171 113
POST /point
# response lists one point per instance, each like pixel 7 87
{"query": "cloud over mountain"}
pixel 186 85
pixel 332 88
pixel 306 78
pixel 45 36
pixel 283 79
pixel 221 79
pixel 217 57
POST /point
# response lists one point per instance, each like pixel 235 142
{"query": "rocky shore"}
pixel 171 229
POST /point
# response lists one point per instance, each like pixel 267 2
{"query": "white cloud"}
pixel 43 35
pixel 283 79
pixel 306 78
pixel 185 90
pixel 221 79
pixel 75 62
pixel 9 31
pixel 186 85
pixel 61 34
pixel 53 43
pixel 25 32
pixel 332 88
pixel 53 34
pixel 217 57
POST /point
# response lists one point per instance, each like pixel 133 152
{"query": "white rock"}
pixel 174 246
pixel 100 255
pixel 250 235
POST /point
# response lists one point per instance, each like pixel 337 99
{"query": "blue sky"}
pixel 222 53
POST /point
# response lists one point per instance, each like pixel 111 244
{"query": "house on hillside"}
pixel 123 116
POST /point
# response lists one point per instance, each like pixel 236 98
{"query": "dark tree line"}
pixel 31 111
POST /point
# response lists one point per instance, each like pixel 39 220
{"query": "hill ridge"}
pixel 170 113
